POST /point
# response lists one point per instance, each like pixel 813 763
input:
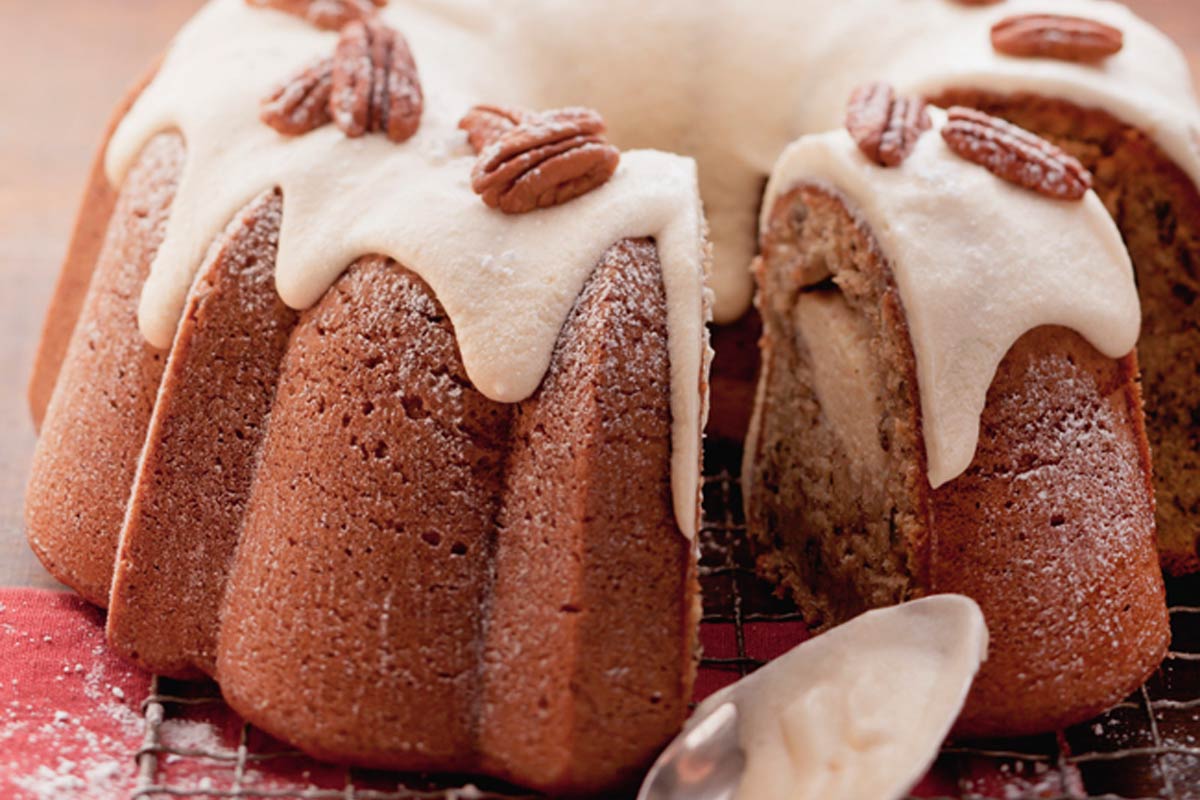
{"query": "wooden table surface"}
pixel 64 63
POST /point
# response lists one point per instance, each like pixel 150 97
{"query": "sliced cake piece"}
pixel 948 403
pixel 1157 208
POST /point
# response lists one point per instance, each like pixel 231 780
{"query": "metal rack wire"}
pixel 1146 747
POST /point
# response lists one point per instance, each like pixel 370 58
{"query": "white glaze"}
pixel 682 76
pixel 506 282
pixel 978 262
pixel 859 712
pixel 732 83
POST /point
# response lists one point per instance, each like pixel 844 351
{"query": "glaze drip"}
pixel 978 262
pixel 655 73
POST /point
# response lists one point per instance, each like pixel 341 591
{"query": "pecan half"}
pixel 885 127
pixel 1056 36
pixel 328 15
pixel 543 160
pixel 1015 154
pixel 375 82
pixel 301 103
pixel 485 124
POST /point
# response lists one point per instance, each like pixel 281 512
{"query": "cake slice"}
pixel 1156 206
pixel 949 403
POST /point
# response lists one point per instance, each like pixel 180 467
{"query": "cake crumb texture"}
pixel 1050 529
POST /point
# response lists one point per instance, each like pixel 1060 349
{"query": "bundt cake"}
pixel 949 403
pixel 1129 116
pixel 395 431
pixel 437 514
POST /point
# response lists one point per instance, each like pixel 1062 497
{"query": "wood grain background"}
pixel 63 64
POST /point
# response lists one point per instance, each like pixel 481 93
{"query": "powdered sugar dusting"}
pixel 67 730
pixel 1031 261
pixel 194 736
pixel 412 203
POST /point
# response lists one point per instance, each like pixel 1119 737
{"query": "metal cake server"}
pixel 705 762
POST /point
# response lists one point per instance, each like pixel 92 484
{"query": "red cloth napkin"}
pixel 70 719
pixel 71 723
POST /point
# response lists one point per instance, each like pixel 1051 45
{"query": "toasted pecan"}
pixel 1015 154
pixel 542 160
pixel 485 124
pixel 1056 36
pixel 375 83
pixel 885 127
pixel 301 103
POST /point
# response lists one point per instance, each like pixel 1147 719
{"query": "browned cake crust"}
pixel 366 550
pixel 96 419
pixel 467 549
pixel 186 506
pixel 378 563
pixel 1051 528
pixel 1157 208
pixel 572 694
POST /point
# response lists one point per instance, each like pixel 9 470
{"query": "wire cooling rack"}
pixel 1146 747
